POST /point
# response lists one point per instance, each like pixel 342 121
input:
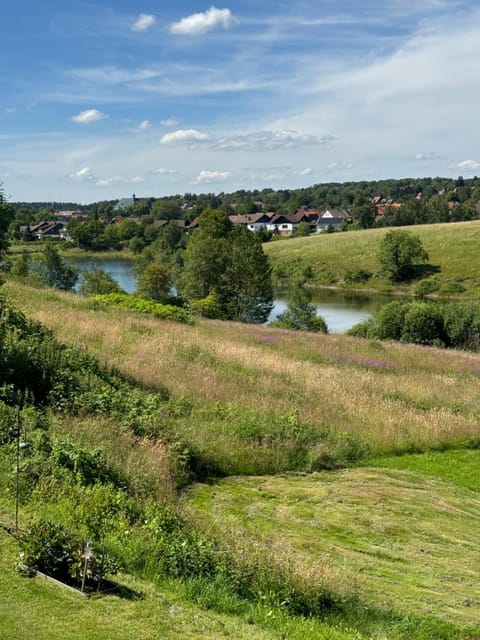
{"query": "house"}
pixel 52 230
pixel 332 219
pixel 252 221
pixel 67 216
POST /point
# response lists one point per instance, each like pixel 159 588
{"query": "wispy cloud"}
pixel 90 115
pixel 107 182
pixel 169 122
pixel 257 140
pixel 144 125
pixel 200 23
pixel 144 22
pixel 340 164
pixel 427 155
pixel 162 171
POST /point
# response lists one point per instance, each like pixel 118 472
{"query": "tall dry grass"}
pixel 396 397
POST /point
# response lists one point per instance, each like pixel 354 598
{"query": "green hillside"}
pixel 326 258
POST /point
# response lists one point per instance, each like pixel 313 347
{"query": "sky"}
pixel 100 100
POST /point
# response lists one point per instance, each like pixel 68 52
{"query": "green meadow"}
pixel 326 258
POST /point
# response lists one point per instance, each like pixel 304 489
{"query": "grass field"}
pixel 255 391
pixel 453 248
pixel 401 541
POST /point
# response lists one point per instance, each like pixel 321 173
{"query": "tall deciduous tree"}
pixel 398 254
pixel 231 263
pixel 247 281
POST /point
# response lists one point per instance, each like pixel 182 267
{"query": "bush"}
pixel 462 324
pixel 389 321
pixel 423 324
pixel 425 287
pixel 49 548
pixel 209 307
pixel 139 305
pixel 357 276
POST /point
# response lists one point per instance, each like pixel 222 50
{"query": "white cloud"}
pixel 304 172
pixel 83 174
pixel 162 171
pixel 267 140
pixel 169 122
pixel 200 23
pixel 143 22
pixel 107 182
pixel 469 165
pixel 90 115
pixel 144 125
pixel 427 155
pixel 341 165
pixel 211 176
pixel 182 136
pixel 254 141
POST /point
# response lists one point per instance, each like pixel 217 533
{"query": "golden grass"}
pixel 395 396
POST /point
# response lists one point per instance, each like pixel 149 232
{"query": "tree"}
pixel 51 269
pixel 398 254
pixel 301 314
pixel 303 229
pixel 97 281
pixel 166 210
pixel 7 215
pixel 231 263
pixel 155 282
pixel 247 282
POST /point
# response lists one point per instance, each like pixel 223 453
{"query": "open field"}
pixel 253 392
pixel 402 542
pixel 452 247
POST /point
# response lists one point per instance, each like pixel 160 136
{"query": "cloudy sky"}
pixel 100 99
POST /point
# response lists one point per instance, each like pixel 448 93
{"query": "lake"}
pixel 340 310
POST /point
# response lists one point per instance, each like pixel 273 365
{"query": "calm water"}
pixel 339 310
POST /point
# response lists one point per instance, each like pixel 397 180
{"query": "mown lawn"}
pixel 396 539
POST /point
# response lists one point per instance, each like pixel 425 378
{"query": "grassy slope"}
pixel 395 397
pixel 401 542
pixel 453 247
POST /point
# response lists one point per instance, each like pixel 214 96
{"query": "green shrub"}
pixel 425 287
pixel 49 548
pixel 209 307
pixel 357 276
pixel 389 321
pixel 462 324
pixel 140 305
pixel 423 324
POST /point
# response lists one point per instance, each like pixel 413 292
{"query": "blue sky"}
pixel 100 100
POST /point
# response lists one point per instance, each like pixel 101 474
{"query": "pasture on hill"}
pixel 327 257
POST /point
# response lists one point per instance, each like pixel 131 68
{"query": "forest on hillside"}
pixel 423 200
